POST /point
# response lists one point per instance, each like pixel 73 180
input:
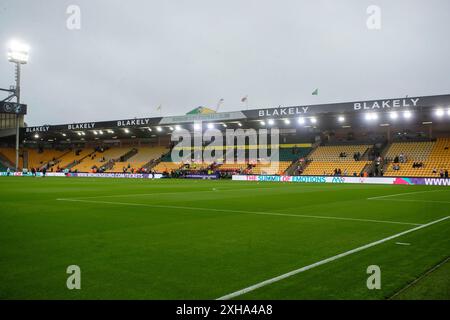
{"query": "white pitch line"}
pixel 402 194
pixel 412 200
pixel 403 243
pixel 238 211
pixel 176 193
pixel 322 262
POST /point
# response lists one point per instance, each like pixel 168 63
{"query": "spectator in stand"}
pixel 446 173
pixel 441 173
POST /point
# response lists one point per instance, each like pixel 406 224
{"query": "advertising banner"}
pixel 337 179
pixel 201 176
pixel 115 175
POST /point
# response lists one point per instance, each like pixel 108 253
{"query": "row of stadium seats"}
pixel 325 159
pixel 327 168
pixel 142 156
pixel 272 168
pixel 434 157
pixel 333 153
pixel 10 155
pixel 288 153
pixel 418 151
pixel 73 155
pixel 83 160
pixel 36 158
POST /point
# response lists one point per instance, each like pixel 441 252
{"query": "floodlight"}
pixel 271 122
pixel 407 114
pixel 210 126
pixel 440 112
pixel 371 116
pixel 301 120
pixel 393 115
pixel 159 129
pixel 287 121
pixel 313 120
pixel 341 118
pixel 18 52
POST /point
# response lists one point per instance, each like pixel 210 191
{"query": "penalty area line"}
pixel 237 211
pixel 322 262
pixel 402 194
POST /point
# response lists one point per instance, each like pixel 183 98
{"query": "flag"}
pixel 219 103
pixel 244 99
pixel 315 92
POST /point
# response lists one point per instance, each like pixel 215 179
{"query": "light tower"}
pixel 17 54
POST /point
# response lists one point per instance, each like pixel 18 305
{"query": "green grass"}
pixel 434 285
pixel 143 239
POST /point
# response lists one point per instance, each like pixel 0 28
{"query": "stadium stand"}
pixel 347 158
pixel 418 159
pixel 348 168
pixel 10 155
pixel 288 154
pixel 271 168
pixel 165 164
pixel 72 157
pixel 39 158
pixel 100 159
pixel 142 157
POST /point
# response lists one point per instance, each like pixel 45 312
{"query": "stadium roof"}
pixel 425 105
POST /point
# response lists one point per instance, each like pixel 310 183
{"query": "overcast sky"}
pixel 128 57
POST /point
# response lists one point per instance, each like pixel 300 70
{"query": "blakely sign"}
pixel 358 106
pixel 386 104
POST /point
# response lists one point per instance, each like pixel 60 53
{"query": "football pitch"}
pixel 197 239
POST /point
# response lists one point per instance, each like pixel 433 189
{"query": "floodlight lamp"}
pixel 18 52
